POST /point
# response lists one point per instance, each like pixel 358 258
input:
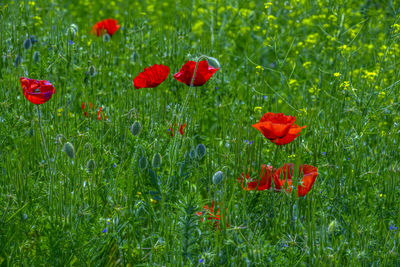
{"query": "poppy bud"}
pixel 142 163
pixel 17 61
pixel 135 56
pixel 200 151
pixel 36 56
pixel 332 226
pixel 156 162
pixel 92 71
pixel 106 37
pixel 217 177
pixel 213 62
pixel 90 165
pixel 27 44
pixel 192 153
pixel 69 150
pixel 72 30
pixel 136 127
pixel 33 39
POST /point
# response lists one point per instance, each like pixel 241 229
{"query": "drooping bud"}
pixel 200 151
pixel 217 177
pixel 156 162
pixel 36 56
pixel 90 165
pixel 27 44
pixel 213 62
pixel 69 150
pixel 136 128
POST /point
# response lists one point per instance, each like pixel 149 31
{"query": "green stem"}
pixel 47 155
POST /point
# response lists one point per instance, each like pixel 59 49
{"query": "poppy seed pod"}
pixel 90 165
pixel 17 60
pixel 69 150
pixel 213 62
pixel 36 56
pixel 136 127
pixel 156 162
pixel 200 151
pixel 142 163
pixel 217 177
pixel 27 44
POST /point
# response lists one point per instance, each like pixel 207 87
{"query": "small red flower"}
pixel 151 77
pixel 203 73
pixel 278 128
pixel 100 113
pixel 37 92
pixel 308 178
pixel 213 216
pixel 109 26
pixel 264 181
pixel 180 129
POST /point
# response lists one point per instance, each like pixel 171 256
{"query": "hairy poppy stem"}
pixel 185 104
pixel 47 155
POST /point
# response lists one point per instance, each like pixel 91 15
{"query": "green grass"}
pixel 53 211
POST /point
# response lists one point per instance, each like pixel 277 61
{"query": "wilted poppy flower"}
pixel 203 73
pixel 307 172
pixel 278 128
pixel 109 26
pixel 213 216
pixel 37 92
pixel 151 77
pixel 262 183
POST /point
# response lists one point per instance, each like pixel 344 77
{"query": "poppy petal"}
pixel 151 77
pixel 37 91
pixel 203 73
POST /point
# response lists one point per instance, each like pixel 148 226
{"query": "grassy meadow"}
pixel 81 190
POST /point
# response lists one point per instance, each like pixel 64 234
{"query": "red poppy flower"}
pixel 263 183
pixel 203 73
pixel 83 109
pixel 213 216
pixel 109 26
pixel 37 92
pixel 308 178
pixel 151 77
pixel 180 129
pixel 278 128
pixel 99 112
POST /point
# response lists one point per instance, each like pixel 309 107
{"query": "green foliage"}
pixel 332 64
